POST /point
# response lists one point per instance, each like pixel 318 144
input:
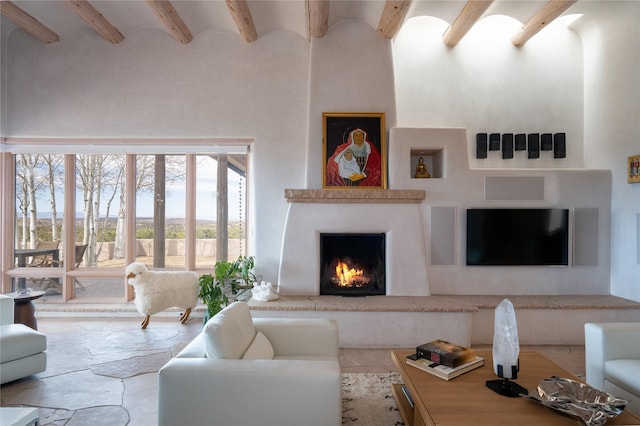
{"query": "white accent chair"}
pixel 22 349
pixel 612 355
pixel 241 371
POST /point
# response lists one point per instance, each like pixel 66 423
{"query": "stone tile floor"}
pixel 103 370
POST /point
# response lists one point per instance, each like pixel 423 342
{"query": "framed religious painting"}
pixel 633 169
pixel 354 154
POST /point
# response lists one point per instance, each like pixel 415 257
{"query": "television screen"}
pixel 502 237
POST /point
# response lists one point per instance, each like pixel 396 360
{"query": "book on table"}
pixel 407 395
pixel 442 371
pixel 445 353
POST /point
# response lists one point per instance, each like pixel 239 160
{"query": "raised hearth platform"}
pixel 404 321
pixel 401 321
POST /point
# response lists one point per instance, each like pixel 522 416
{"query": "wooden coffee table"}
pixel 465 400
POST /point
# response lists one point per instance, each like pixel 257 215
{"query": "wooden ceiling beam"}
pixel 99 23
pixel 170 18
pixel 241 15
pixel 541 19
pixel 28 22
pixel 317 17
pixel 392 17
pixel 471 12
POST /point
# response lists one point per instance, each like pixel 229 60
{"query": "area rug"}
pixel 367 399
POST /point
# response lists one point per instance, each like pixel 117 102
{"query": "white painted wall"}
pixel 487 85
pixel 351 71
pixel 276 89
pixel 461 188
pixel 152 86
pixel 612 126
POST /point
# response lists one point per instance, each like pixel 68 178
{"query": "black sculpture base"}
pixel 507 388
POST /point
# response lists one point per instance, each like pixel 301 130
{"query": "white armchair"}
pixel 241 371
pixel 22 349
pixel 612 356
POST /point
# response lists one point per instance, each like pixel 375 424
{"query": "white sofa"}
pixel 612 355
pixel 241 371
pixel 22 349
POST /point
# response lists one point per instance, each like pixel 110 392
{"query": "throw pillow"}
pixel 230 332
pixel 260 348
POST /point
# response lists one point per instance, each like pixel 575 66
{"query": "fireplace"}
pixel 352 264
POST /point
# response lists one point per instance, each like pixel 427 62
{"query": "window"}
pixel 188 211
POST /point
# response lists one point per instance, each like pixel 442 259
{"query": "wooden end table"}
pixel 465 400
pixel 24 309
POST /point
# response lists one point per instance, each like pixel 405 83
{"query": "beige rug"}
pixel 367 399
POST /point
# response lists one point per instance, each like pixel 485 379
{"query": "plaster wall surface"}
pixel 275 89
pixel 410 269
pixel 612 128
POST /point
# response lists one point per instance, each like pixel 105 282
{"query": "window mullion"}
pixel 190 213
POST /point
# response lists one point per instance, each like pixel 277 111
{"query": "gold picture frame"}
pixel 354 151
pixel 633 169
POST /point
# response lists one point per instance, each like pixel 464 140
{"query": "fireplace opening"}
pixel 352 264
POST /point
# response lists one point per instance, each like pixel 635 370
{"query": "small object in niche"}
pixel 263 292
pixel 421 170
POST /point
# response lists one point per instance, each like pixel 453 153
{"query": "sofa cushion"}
pixel 624 373
pixel 229 333
pixel 20 341
pixel 260 348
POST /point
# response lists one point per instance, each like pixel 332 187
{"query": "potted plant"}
pixel 230 281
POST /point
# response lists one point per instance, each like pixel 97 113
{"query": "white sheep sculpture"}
pixel 160 290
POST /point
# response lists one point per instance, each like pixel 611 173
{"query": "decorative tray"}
pixel 574 398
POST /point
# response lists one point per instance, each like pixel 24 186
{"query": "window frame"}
pixel 190 147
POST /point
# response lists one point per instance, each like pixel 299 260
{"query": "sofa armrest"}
pixel 6 310
pixel 249 392
pixel 607 341
pixel 300 337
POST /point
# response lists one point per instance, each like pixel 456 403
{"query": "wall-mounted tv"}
pixel 506 237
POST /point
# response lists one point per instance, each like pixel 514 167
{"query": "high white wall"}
pixel 151 86
pixel 487 85
pixel 275 89
pixel 612 127
pixel 351 71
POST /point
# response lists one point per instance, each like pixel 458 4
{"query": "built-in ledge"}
pixel 354 195
pixel 441 303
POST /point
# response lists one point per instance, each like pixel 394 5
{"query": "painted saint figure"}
pixel 367 170
pixel 348 168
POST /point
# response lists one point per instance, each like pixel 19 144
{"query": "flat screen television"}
pixel 506 237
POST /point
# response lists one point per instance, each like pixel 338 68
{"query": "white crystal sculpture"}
pixel 506 346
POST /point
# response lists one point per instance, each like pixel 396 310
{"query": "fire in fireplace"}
pixel 352 264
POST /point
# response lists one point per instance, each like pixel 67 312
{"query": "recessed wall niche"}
pixel 433 160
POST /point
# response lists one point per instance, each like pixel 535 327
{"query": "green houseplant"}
pixel 230 281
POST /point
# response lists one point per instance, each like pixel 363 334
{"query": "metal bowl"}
pixel 574 398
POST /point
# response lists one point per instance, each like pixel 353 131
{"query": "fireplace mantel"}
pixel 383 196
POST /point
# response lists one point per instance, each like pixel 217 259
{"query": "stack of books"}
pixel 444 359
